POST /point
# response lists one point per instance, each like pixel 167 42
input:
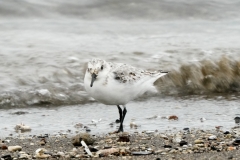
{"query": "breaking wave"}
pixel 204 77
pixel 200 78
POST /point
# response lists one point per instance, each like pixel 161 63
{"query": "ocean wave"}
pixel 205 77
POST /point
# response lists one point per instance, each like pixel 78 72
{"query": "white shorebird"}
pixel 117 83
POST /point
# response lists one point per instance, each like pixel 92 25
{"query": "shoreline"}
pixel 185 144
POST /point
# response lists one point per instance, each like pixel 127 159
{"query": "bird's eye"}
pixel 102 67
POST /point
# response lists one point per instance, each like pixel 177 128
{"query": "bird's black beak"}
pixel 94 76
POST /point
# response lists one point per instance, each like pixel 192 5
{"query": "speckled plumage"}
pixel 117 83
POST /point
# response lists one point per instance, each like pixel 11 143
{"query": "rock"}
pixel 87 138
pixel 178 137
pixel 212 137
pixel 167 146
pixel 14 148
pixel 173 117
pixel 163 136
pixel 61 154
pixel 3 146
pixel 198 141
pixel 230 148
pixel 237 140
pixel 202 119
pixel 186 130
pixel 42 142
pixel 7 157
pixel 183 143
pixel 41 153
pixel 141 153
pixel 23 155
pixel 106 152
pixel 237 120
pixel 124 138
pixel 78 125
pixel 22 127
pixel 226 132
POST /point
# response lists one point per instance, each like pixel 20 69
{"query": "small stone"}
pixel 212 137
pixel 167 146
pixel 87 138
pixel 3 146
pixel 237 140
pixel 237 120
pixel 24 155
pixel 159 151
pixel 42 153
pixel 14 148
pixel 106 152
pixel 228 136
pixel 183 143
pixel 6 157
pixel 124 138
pixel 226 132
pixel 231 148
pixel 198 141
pixel 141 153
pixel 42 142
pixel 173 117
pixel 60 154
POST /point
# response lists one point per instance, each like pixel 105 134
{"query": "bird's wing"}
pixel 128 74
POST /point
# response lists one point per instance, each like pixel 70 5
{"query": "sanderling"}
pixel 117 83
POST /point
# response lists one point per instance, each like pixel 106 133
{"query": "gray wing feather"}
pixel 127 74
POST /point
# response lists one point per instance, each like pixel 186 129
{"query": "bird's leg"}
pixel 120 114
pixel 121 124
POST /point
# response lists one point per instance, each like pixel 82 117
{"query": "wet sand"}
pixel 150 114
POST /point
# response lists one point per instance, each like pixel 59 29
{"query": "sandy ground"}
pixel 187 144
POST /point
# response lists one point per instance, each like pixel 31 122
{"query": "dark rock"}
pixel 123 138
pixel 87 129
pixel 141 153
pixel 6 157
pixel 237 140
pixel 92 149
pixel 226 132
pixel 183 143
pixel 107 147
pixel 237 120
pixel 167 146
pixel 87 138
pixel 173 117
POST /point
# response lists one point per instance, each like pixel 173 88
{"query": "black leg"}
pixel 121 124
pixel 120 114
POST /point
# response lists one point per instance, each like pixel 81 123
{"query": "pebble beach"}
pixel 185 144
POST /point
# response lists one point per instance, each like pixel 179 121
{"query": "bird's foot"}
pixel 117 121
pixel 120 129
